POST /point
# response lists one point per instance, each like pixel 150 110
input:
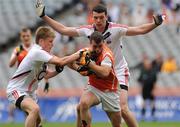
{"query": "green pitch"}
pixel 141 124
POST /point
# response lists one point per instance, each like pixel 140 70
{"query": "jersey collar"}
pixel 106 27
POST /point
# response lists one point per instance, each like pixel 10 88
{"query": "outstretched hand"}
pixel 40 8
pixel 158 19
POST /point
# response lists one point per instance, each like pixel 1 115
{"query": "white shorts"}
pixel 15 94
pixel 110 100
pixel 123 76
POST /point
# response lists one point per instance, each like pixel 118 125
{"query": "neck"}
pixel 102 28
pixel 27 45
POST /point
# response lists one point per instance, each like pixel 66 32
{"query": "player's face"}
pixel 26 37
pixel 99 19
pixel 47 44
pixel 97 48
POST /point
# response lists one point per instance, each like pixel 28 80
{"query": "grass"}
pixel 141 124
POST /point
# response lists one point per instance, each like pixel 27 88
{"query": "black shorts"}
pixel 147 95
pixel 19 100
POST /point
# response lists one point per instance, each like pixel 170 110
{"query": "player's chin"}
pixel 99 25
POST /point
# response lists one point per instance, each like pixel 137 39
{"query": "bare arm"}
pixel 50 74
pixel 69 31
pixel 73 66
pixel 101 71
pixel 40 10
pixel 13 59
pixel 142 29
pixel 65 60
pixel 145 28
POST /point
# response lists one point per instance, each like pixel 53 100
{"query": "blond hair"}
pixel 44 32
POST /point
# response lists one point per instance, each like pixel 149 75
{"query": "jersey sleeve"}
pixel 41 55
pixel 84 30
pixel 122 30
pixel 106 61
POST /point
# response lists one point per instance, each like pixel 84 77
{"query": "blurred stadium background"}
pixel 58 105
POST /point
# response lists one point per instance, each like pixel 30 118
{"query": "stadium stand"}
pixel 19 13
pixel 164 40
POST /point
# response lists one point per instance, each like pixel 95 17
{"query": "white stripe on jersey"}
pixel 114 41
pixel 26 76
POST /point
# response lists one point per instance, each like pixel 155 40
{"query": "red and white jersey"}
pixel 113 35
pixel 30 71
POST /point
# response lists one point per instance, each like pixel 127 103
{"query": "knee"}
pixel 84 105
pixel 124 110
pixel 35 110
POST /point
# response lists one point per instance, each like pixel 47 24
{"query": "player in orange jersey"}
pixel 17 56
pixel 21 51
pixel 102 86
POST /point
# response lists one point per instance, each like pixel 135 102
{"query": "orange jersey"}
pixel 109 83
pixel 21 53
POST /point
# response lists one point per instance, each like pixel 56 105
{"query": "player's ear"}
pixel 40 41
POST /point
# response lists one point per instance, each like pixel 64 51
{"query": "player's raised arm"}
pixel 40 10
pixel 145 28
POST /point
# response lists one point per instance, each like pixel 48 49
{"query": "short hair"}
pixel 44 32
pixel 97 37
pixel 100 8
pixel 25 29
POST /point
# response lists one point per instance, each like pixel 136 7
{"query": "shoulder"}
pixel 107 53
pixel 117 25
pixel 85 27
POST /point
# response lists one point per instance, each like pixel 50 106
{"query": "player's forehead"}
pixel 49 39
pixel 93 43
pixel 25 33
pixel 96 14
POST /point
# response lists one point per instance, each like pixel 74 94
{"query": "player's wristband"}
pixel 59 69
pixel 124 87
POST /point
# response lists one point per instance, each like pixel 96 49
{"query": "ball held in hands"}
pixel 84 70
pixel 84 58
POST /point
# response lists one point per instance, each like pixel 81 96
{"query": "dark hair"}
pixel 25 29
pixel 100 8
pixel 97 37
